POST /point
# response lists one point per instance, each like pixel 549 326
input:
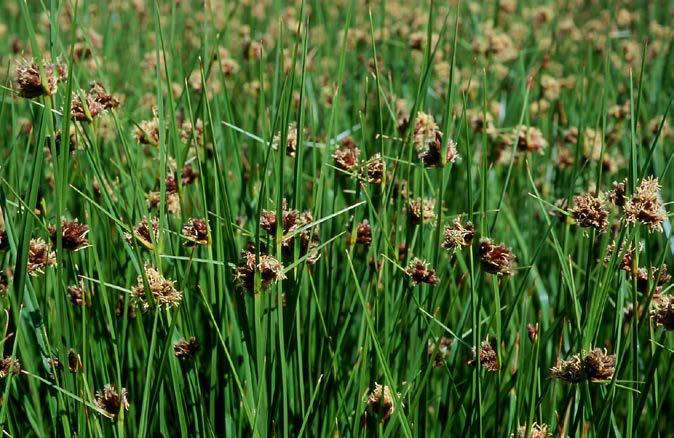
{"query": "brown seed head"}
pixel 96 101
pixel 589 212
pixel 662 311
pixel 346 156
pixel 422 210
pixel 599 365
pixel 73 235
pixel 375 168
pixel 270 269
pixel 163 291
pixel 9 365
pixel 40 255
pixel 536 431
pixel 419 272
pixel 364 233
pixel 31 84
pixel 570 370
pixel 186 348
pixel 645 205
pixel 496 258
pixel 458 235
pixel 112 401
pixel 196 232
pixel 380 402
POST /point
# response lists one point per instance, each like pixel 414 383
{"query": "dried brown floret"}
pixel 458 235
pixel 626 262
pixel 364 233
pixel 112 401
pixel 31 84
pixel 496 258
pixel 536 431
pixel 79 295
pixel 375 169
pixel 532 332
pixel 74 361
pixel 570 370
pixel 658 277
pixel 617 194
pixel 479 120
pixel 427 140
pixel 380 402
pixel 73 235
pixel 147 132
pixel 346 156
pixel 663 311
pixel 188 175
pixel 599 365
pixel 196 232
pixel 489 357
pixel 419 272
pixel 589 211
pixel 146 231
pixel 291 140
pixel 186 348
pixel 96 101
pixel 270 269
pixel 439 350
pixel 9 365
pixel 162 290
pixel 645 206
pixel 40 256
pixel 268 221
pixel 422 210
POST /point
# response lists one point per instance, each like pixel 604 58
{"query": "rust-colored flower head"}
pixel 9 365
pixel 346 156
pixel 458 235
pixel 146 232
pixel 617 194
pixel 419 272
pixel 186 348
pixel 196 232
pixel 40 256
pixel 291 140
pixel 422 210
pixel 73 235
pixel 569 370
pixel 662 311
pixel 112 401
pixel 439 350
pixel 147 132
pixel 489 357
pixel 645 206
pixel 189 175
pixel 96 101
pixel 31 84
pixel 599 365
pixel 496 258
pixel 589 211
pixel 270 269
pixel 268 221
pixel 535 431
pixel 364 233
pixel 375 169
pixel 163 291
pixel 380 402
pixel 79 295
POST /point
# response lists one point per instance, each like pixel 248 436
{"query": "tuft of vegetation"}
pixel 343 218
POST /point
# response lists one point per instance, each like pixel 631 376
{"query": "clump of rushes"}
pixel 645 206
pixel 439 350
pixel 536 431
pixel 73 235
pixel 9 365
pixel 146 232
pixel 163 291
pixel 663 311
pixel 79 295
pixel 422 210
pixel 112 401
pixel 375 169
pixel 346 156
pixel 147 132
pixel 419 272
pixel 186 348
pixel 595 366
pixel 364 233
pixel 31 84
pixel 195 232
pixel 40 256
pixel 589 211
pixel 270 269
pixel 458 235
pixel 291 140
pixel 96 101
pixel 496 258
pixel 380 402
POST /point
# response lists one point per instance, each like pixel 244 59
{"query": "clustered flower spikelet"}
pixel 163 291
pixel 589 211
pixel 270 269
pixel 458 235
pixel 597 365
pixel 645 206
pixel 112 401
pixel 419 272
pixel 496 258
pixel 380 402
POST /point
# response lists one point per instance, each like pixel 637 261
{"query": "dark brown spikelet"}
pixel 146 232
pixel 532 332
pixel 599 365
pixel 96 101
pixel 458 235
pixel 364 233
pixel 186 348
pixel 428 140
pixel 645 206
pixel 270 269
pixel 40 256
pixel 74 361
pixel 419 272
pixel 111 401
pixel 375 169
pixel 4 240
pixel 73 235
pixel 496 258
pixel 662 311
pixel 589 212
pixel 380 402
pixel 268 221
pixel 569 370
pixel 162 290
pixel 626 262
pixel 9 365
pixel 617 194
pixel 346 156
pixel 489 357
pixel 536 431
pixel 31 84
pixel 196 232
pixel 189 175
pixel 657 277
pixel 422 210
pixel 79 295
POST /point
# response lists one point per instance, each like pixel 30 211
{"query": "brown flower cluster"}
pixel 112 401
pixel 347 155
pixel 496 258
pixel 162 290
pixel 270 271
pixel 645 206
pixel 296 228
pixel 146 232
pixel 380 402
pixel 9 365
pixel 73 235
pixel 96 101
pixel 458 235
pixel 32 84
pixel 428 138
pixel 662 311
pixel 40 256
pixel 419 272
pixel 597 365
pixel 186 348
pixel 439 350
pixel 535 431
pixel 422 211
pixel 589 211
pixel 196 232
pixel 79 295
pixel 291 140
